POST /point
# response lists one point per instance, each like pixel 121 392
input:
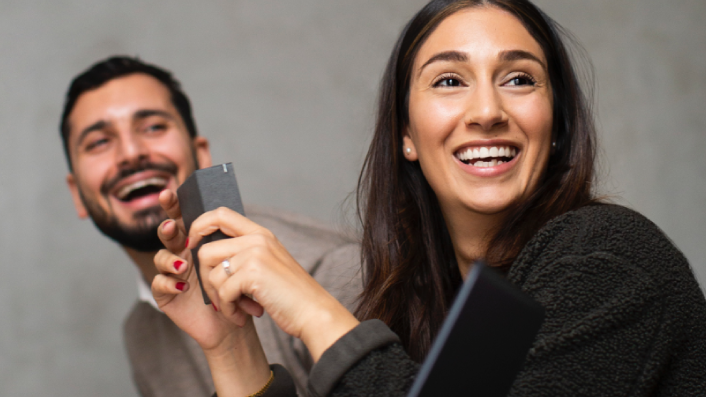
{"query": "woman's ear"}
pixel 408 148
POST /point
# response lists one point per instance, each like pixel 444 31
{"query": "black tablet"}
pixel 483 342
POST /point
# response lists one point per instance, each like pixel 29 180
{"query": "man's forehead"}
pixel 120 99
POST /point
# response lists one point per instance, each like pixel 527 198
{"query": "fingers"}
pixel 169 201
pixel 250 307
pixel 228 221
pixel 169 264
pixel 238 311
pixel 234 305
pixel 212 254
pixel 171 236
pixel 165 285
pixel 166 288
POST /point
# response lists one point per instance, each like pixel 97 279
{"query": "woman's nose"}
pixel 484 108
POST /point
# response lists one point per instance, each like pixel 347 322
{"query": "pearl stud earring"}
pixel 408 150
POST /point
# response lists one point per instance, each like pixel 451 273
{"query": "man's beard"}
pixel 140 237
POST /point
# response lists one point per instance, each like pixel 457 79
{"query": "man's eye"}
pixel 96 144
pixel 156 127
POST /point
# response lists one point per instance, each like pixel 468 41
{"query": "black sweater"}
pixel 624 317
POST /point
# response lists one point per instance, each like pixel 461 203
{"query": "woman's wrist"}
pixel 238 364
pixel 326 327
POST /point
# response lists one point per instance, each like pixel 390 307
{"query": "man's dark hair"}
pixel 112 68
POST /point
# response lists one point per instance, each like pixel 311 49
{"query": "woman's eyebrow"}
pixel 516 55
pixel 455 56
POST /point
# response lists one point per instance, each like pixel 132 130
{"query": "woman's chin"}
pixel 488 202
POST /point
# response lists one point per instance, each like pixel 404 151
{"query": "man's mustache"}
pixel 167 167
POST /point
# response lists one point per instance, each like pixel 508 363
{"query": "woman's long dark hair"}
pixel 409 268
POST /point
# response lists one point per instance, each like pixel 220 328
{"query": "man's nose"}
pixel 131 150
pixel 484 108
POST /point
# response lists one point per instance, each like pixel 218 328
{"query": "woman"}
pixel 484 148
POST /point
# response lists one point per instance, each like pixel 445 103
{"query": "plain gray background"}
pixel 285 90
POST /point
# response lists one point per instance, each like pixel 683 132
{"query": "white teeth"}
pixel 493 162
pixel 154 181
pixel 471 154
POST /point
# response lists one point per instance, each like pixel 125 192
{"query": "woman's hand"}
pixel 235 356
pixel 176 288
pixel 263 269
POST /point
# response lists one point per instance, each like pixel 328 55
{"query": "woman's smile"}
pixel 487 159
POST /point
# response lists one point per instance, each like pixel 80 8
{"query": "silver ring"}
pixel 226 267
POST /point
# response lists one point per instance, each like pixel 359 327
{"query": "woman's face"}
pixel 480 112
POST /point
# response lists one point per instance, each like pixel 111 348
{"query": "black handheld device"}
pixel 206 190
pixel 484 340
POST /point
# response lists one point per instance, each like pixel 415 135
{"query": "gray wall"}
pixel 285 90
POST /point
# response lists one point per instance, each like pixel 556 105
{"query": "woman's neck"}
pixel 470 234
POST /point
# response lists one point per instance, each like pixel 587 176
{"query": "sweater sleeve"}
pixel 282 385
pixel 367 361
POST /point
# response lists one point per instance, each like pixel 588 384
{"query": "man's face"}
pixel 127 142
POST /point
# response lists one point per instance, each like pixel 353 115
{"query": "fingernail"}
pixel 214 306
pixel 187 243
pixel 180 286
pixel 177 264
pixel 164 226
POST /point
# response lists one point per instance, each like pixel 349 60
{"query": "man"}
pixel 128 133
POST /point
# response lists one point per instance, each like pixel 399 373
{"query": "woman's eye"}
pixel 448 82
pixel 521 80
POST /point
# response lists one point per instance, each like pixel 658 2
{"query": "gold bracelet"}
pixel 264 388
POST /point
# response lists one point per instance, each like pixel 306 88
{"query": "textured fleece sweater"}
pixel 624 317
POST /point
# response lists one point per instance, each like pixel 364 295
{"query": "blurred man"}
pixel 128 133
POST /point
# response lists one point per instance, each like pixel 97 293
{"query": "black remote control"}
pixel 206 190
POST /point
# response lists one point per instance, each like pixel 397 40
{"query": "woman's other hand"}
pixel 176 288
pixel 235 356
pixel 261 268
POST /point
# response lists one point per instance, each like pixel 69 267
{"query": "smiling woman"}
pixel 483 148
pixel 468 78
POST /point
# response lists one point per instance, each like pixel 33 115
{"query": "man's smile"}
pixel 139 188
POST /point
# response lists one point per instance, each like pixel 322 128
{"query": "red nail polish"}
pixel 187 243
pixel 214 306
pixel 177 264
pixel 180 286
